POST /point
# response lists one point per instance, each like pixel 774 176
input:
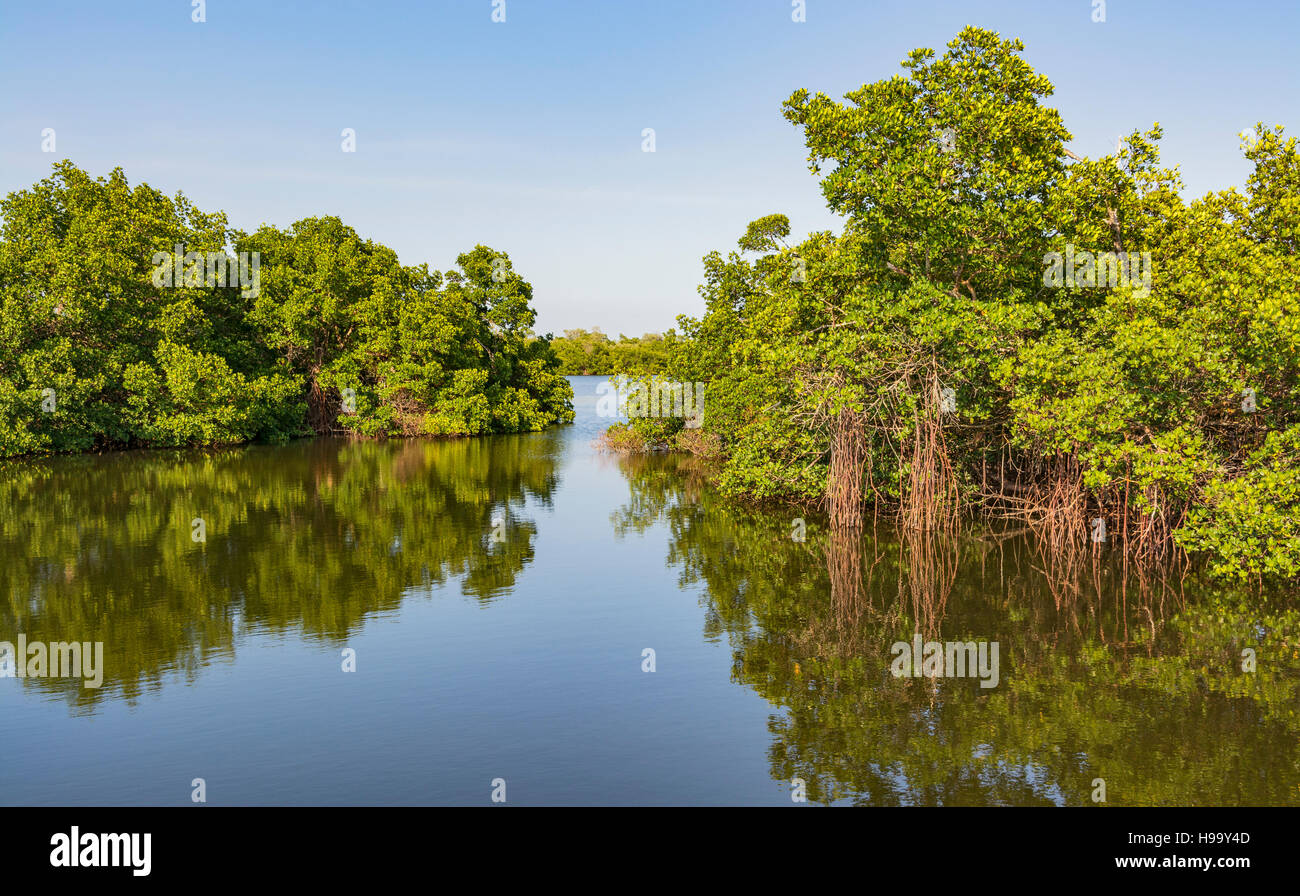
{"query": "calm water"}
pixel 499 594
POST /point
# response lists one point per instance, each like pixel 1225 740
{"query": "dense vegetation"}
pixel 588 353
pixel 1000 327
pixel 323 331
pixel 939 357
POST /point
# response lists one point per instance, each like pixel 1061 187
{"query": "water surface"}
pixel 499 594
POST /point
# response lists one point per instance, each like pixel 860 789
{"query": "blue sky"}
pixel 526 135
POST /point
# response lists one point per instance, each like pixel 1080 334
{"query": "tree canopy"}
pixel 1002 326
pixel 307 329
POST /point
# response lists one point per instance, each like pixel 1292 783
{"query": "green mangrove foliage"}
pixel 1004 326
pixel 587 353
pixel 128 319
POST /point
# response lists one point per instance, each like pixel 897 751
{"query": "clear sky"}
pixel 526 135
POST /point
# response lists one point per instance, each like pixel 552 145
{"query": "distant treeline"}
pixel 591 352
pixel 132 319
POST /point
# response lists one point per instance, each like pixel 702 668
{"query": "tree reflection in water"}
pixel 1133 676
pixel 312 537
